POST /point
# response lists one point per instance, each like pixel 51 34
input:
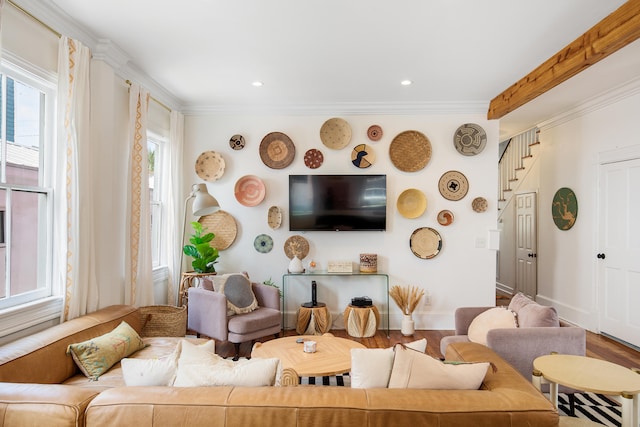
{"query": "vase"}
pixel 295 266
pixel 407 328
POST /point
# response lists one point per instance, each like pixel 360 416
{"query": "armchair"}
pixel 208 315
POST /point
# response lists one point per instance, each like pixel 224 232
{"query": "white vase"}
pixel 295 266
pixel 407 328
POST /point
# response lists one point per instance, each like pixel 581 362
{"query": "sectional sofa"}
pixel 40 385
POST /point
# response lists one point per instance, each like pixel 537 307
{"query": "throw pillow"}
pixel 371 367
pixel 157 372
pixel 412 369
pixel 199 368
pixel 537 315
pixel 94 357
pixel 518 301
pixel 237 288
pixel 494 318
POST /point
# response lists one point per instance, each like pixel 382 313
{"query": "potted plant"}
pixel 204 255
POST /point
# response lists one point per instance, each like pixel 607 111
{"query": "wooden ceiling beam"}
pixel 614 32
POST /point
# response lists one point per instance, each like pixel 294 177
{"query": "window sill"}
pixel 19 318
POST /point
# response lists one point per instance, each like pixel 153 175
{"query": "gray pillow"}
pixel 536 315
pixel 237 288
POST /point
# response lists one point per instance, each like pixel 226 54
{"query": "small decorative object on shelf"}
pixel 340 267
pixel 368 263
pixel 407 299
pixel 312 266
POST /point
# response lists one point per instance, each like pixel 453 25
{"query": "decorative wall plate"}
pixel 277 150
pixel 410 151
pixel 249 190
pixel 425 242
pixel 445 217
pixel 564 208
pixel 296 245
pixel 210 166
pixel 263 243
pixel 479 204
pixel 237 142
pixel 453 185
pixel 374 132
pixel 313 158
pixel 363 156
pixel 223 225
pixel 335 133
pixel 411 203
pixel 470 139
pixel 274 217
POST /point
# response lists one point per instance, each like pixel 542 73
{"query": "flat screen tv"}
pixel 337 202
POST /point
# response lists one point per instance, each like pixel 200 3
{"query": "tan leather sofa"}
pixel 42 387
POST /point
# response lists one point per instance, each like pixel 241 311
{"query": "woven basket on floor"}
pixel 164 321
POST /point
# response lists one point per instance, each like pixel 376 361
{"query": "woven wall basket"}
pixel 410 151
pixel 164 321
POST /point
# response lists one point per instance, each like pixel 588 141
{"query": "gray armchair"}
pixel 208 315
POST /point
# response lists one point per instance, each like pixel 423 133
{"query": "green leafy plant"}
pixel 204 255
pixel 270 282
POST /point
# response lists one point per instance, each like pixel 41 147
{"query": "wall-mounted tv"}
pixel 337 202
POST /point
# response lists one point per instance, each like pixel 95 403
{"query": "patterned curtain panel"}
pixel 172 244
pixel 75 260
pixel 139 277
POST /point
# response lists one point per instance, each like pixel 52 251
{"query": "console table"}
pixel 383 277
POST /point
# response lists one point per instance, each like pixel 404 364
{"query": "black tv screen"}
pixel 337 202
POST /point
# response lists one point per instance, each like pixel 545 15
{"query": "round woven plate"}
pixel 410 151
pixel 223 225
pixel 445 217
pixel 374 132
pixel 313 158
pixel 277 150
pixel 363 156
pixel 425 242
pixel 479 204
pixel 249 190
pixel 274 217
pixel 210 166
pixel 453 185
pixel 263 243
pixel 296 245
pixel 470 139
pixel 411 203
pixel 237 142
pixel 335 133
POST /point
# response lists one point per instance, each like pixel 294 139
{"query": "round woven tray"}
pixel 296 245
pixel 410 151
pixel 277 150
pixel 223 225
pixel 164 321
pixel 335 133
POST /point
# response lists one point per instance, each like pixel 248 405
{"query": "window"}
pixel 154 150
pixel 26 200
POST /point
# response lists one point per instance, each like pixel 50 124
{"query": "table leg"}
pixel 553 393
pixel 629 410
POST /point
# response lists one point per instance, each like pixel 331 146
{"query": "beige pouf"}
pixel 361 322
pixel 577 422
pixel 313 320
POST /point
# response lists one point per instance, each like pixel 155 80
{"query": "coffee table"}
pixel 332 356
pixel 592 375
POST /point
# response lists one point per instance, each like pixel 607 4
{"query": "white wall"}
pixel 461 274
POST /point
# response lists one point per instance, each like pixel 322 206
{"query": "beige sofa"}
pixel 41 386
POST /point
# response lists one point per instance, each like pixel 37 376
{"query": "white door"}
pixel 526 245
pixel 618 257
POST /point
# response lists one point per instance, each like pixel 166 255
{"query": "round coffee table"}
pixel 593 375
pixel 332 356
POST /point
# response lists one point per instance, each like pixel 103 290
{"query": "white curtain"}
pixel 138 263
pixel 172 194
pixel 75 260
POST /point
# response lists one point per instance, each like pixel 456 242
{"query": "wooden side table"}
pixel 313 320
pixel 186 282
pixel 361 322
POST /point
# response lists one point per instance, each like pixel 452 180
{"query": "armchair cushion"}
pixel 531 314
pixel 236 287
pixel 494 318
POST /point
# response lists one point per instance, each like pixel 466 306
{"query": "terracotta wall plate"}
pixel 249 190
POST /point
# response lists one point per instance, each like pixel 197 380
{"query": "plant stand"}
pixel 189 279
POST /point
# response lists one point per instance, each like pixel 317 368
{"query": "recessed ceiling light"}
pixel 257 83
pixel 406 82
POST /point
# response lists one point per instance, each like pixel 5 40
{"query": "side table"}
pixel 313 320
pixel 361 322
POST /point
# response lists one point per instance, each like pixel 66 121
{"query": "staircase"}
pixel 514 164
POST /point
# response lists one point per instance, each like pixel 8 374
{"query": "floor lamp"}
pixel 204 204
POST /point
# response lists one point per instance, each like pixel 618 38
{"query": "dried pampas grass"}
pixel 406 297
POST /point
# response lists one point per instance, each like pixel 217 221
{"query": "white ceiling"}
pixel 347 55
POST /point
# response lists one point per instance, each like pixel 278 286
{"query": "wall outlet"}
pixel 426 298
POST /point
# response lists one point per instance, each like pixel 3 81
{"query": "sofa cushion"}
pixel 494 318
pixel 95 356
pixel 199 368
pixel 236 287
pixel 371 367
pixel 413 369
pixel 530 314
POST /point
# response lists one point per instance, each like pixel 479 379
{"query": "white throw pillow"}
pixel 371 367
pixel 199 368
pixel 412 369
pixel 494 318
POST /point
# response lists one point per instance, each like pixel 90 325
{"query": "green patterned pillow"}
pixel 94 357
